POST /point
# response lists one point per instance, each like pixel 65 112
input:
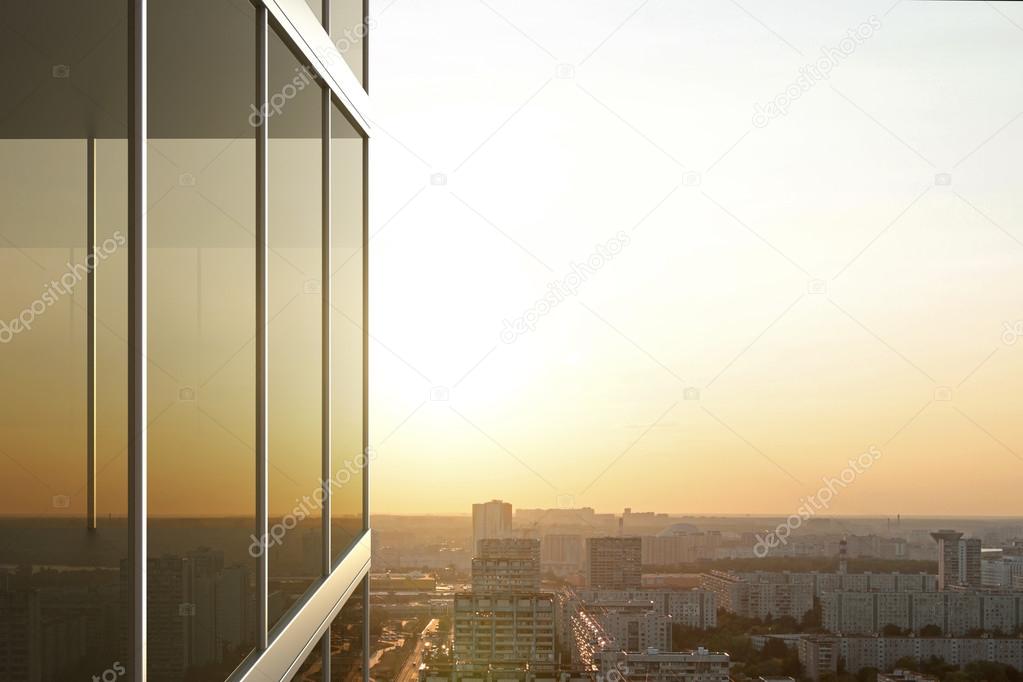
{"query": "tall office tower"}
pixel 153 99
pixel 490 520
pixel 948 556
pixel 969 562
pixel 506 566
pixel 958 559
pixel 614 563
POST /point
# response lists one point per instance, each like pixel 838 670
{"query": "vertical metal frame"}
pixel 326 339
pixel 138 336
pixel 90 334
pixel 262 253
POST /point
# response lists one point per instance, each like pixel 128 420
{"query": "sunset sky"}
pixel 752 302
pixel 541 163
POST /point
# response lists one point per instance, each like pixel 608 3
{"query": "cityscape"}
pixel 575 594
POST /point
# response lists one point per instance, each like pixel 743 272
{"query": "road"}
pixel 410 668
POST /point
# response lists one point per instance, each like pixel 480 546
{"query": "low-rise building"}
pixel 653 665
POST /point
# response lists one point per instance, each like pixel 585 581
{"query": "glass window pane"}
pixel 312 668
pixel 294 335
pixel 63 66
pixel 346 640
pixel 201 208
pixel 348 28
pixel 347 334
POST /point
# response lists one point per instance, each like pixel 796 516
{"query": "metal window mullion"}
pixel 90 332
pixel 327 361
pixel 366 648
pixel 137 340
pixel 262 481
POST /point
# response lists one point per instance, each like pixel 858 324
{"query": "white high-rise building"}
pixel 490 520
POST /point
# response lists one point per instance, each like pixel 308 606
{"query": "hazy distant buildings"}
pixel 490 520
pixel 672 547
pixel 958 559
pixel 614 563
pixel 561 553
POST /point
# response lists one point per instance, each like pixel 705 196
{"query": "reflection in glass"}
pixel 346 640
pixel 346 328
pixel 294 335
pixel 201 208
pixel 348 30
pixel 63 66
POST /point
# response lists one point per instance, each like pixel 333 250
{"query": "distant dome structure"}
pixel 678 529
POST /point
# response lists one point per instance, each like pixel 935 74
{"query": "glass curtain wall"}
pixel 201 211
pixel 63 170
pixel 65 578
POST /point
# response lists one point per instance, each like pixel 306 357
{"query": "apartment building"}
pixel 759 596
pixel 955 613
pixel 561 553
pixel 490 520
pixel 668 549
pixel 1001 571
pixel 820 654
pixel 653 665
pixel 516 630
pixel 173 173
pixel 505 619
pixel 614 563
pixel 691 608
